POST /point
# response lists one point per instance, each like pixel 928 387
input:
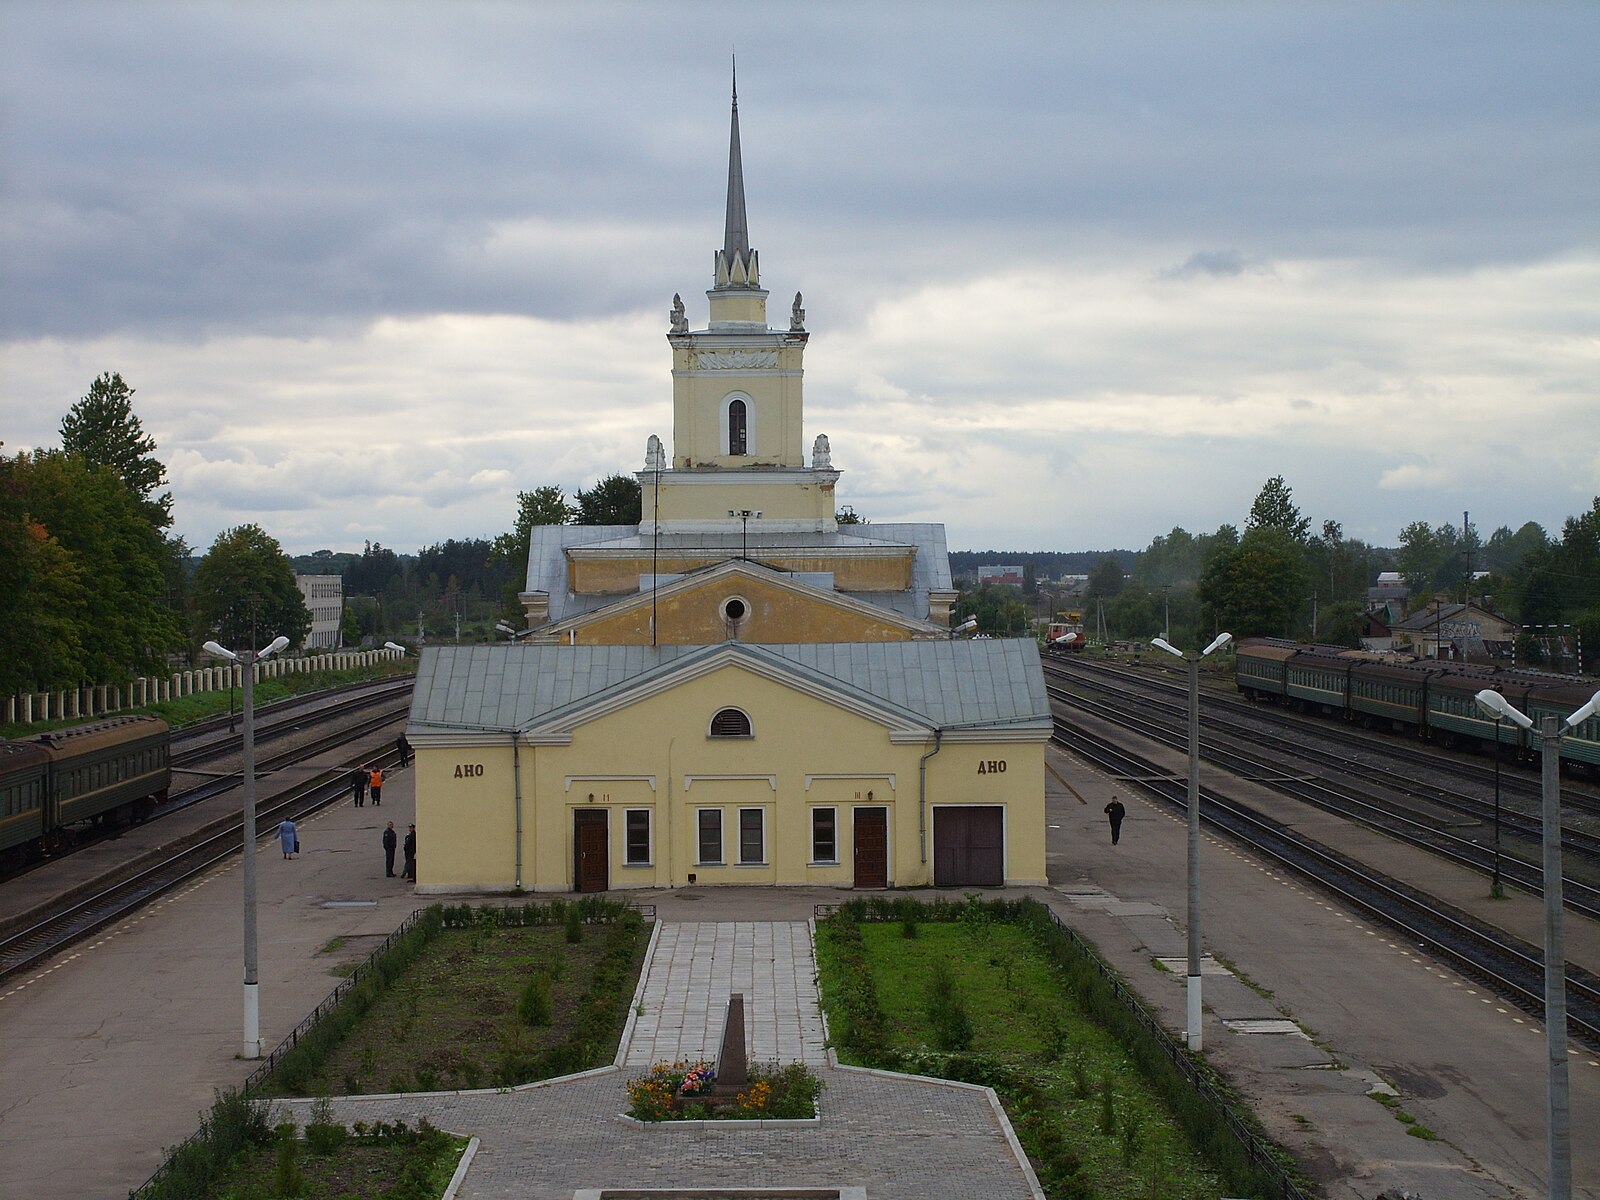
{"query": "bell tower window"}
pixel 738 427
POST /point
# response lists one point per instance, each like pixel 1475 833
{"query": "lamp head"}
pixel 1584 713
pixel 394 646
pixel 1163 644
pixel 277 643
pixel 1221 640
pixel 1065 638
pixel 1499 708
pixel 966 626
pixel 216 651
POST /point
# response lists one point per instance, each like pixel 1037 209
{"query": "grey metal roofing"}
pixel 934 683
pixel 930 566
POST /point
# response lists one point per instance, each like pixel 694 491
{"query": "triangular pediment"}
pixel 737 600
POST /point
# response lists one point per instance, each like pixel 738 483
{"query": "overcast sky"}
pixel 1074 274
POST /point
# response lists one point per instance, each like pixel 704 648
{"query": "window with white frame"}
pixel 709 828
pixel 824 835
pixel 636 846
pixel 730 723
pixel 752 836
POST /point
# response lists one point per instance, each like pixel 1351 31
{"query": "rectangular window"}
pixel 638 837
pixel 752 836
pixel 710 820
pixel 824 835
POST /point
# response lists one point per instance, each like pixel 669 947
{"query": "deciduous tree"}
pixel 103 429
pixel 244 591
pixel 1256 588
pixel 615 500
pixel 1274 508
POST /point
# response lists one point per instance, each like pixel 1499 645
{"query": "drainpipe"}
pixel 516 783
pixel 922 794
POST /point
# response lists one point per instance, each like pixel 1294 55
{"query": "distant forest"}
pixel 1046 564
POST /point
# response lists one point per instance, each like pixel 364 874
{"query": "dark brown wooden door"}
pixel 871 847
pixel 969 845
pixel 591 852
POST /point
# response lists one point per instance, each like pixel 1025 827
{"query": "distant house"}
pixel 324 596
pixel 1389 594
pixel 1454 631
pixel 1009 573
pixel 1376 634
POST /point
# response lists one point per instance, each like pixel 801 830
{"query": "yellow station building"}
pixel 739 689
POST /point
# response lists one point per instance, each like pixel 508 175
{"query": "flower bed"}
pixel 681 1092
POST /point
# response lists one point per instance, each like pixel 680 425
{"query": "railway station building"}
pixel 739 689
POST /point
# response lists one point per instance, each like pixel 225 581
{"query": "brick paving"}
pixel 899 1138
pixel 697 965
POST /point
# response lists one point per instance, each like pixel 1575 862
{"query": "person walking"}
pixel 390 840
pixel 1116 812
pixel 288 838
pixel 358 786
pixel 375 782
pixel 403 748
pixel 410 870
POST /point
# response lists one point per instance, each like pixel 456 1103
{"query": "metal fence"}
pixel 1260 1151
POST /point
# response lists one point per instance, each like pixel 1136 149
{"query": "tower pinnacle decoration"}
pixel 737 265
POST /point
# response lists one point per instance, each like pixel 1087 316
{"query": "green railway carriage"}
pixel 1559 697
pixel 1261 664
pixel 1390 692
pixel 1453 713
pixel 23 774
pixel 1318 678
pixel 107 770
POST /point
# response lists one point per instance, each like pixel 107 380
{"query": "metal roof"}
pixel 945 684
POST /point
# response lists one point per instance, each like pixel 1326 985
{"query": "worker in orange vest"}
pixel 375 785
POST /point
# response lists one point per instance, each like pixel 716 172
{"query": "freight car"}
pixel 104 773
pixel 1432 699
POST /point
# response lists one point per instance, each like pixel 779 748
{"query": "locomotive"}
pixel 1436 700
pixel 102 773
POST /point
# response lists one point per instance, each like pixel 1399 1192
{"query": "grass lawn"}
pixel 1075 1086
pixel 460 1014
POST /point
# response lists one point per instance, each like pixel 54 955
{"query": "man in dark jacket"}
pixel 410 870
pixel 1115 812
pixel 358 785
pixel 389 843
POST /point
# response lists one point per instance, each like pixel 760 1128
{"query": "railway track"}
pixel 1521 863
pixel 79 918
pixel 1510 966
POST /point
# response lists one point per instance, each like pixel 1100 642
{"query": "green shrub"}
pixel 534 1006
pixel 947 1012
pixel 287 1178
pixel 574 926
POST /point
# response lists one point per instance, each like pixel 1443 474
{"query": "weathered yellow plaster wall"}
pixel 790 500
pixel 805 752
pixel 774 616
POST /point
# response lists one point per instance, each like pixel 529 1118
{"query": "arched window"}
pixel 738 427
pixel 730 723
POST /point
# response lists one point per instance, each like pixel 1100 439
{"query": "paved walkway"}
pixel 899 1137
pixel 697 965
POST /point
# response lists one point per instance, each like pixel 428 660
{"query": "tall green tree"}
pixel 615 500
pixel 244 592
pixel 1105 580
pixel 114 621
pixel 1274 508
pixel 1258 587
pixel 104 431
pixel 43 596
pixel 545 505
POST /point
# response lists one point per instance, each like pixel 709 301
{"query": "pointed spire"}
pixel 736 265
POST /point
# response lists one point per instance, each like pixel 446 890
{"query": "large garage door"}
pixel 969 845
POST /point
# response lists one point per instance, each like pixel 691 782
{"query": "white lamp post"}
pixel 252 988
pixel 1559 1114
pixel 1222 639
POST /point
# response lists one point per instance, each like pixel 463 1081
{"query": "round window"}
pixel 734 609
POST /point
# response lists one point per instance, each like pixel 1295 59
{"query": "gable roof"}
pixel 912 687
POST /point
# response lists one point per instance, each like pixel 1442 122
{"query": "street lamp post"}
pixel 1495 887
pixel 1558 1109
pixel 247 659
pixel 1193 804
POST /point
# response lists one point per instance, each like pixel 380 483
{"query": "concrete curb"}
pixel 460 1176
pixel 625 1043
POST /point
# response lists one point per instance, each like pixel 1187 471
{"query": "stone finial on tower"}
pixel 680 321
pixel 821 454
pixel 655 455
pixel 797 316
